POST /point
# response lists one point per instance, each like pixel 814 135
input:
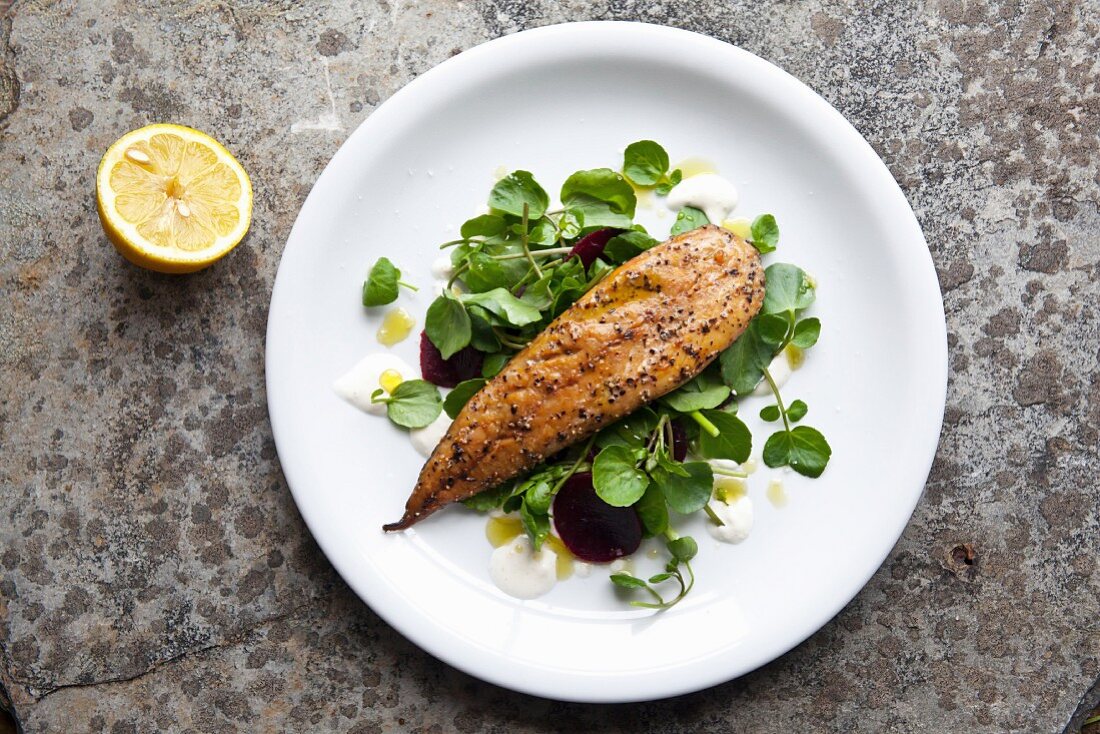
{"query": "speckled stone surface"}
pixel 154 573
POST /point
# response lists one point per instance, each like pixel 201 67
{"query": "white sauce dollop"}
pixel 780 370
pixel 519 572
pixel 709 192
pixel 358 384
pixel 425 439
pixel 442 267
pixel 737 517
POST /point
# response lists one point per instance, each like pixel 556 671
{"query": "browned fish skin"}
pixel 644 330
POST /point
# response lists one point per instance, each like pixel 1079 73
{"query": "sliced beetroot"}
pixel 464 364
pixel 679 441
pixel 591 529
pixel 589 247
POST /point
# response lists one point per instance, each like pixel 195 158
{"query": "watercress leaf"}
pixel 658 578
pixel 414 404
pixel 538 293
pixel 482 336
pixel 626 245
pixel 543 233
pixel 645 162
pixel 538 497
pixel 447 325
pixel 456 399
pixel 536 524
pixel 601 196
pixel 380 286
pixel 504 305
pixel 484 225
pixel 493 364
pixel 688 494
pixel 627 581
pixel 688 219
pixel 617 479
pixel 734 442
pixel 662 189
pixel 571 223
pixel 683 549
pixel 485 273
pixel 797 410
pixel 788 289
pixel 744 361
pixel 770 413
pixel 676 177
pixel 765 233
pixel 516 189
pixel 653 510
pixel 490 499
pixel 806 333
pixel 702 392
pixel 803 449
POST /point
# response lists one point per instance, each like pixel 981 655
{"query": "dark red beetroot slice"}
pixel 589 247
pixel 464 364
pixel 679 441
pixel 592 529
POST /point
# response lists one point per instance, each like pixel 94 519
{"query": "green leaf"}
pixel 653 510
pixel 806 333
pixel 632 431
pixel 617 479
pixel 603 197
pixel 493 364
pixel 803 449
pixel 744 361
pixel 765 233
pixel 380 287
pixel 414 404
pixel 797 410
pixel 538 294
pixel 485 225
pixel 658 578
pixel 482 336
pixel 683 549
pixel 688 494
pixel 787 290
pixel 733 443
pixel 447 325
pixel 490 499
pixel 536 524
pixel 485 274
pixel 543 233
pixel 626 245
pixel 700 393
pixel 571 223
pixel 770 413
pixel 504 305
pixel 627 581
pixel 516 189
pixel 456 399
pixel 645 162
pixel 688 219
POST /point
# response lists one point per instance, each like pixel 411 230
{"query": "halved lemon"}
pixel 172 199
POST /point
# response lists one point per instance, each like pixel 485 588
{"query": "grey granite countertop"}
pixel 154 572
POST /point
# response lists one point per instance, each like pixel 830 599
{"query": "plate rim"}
pixel 458 653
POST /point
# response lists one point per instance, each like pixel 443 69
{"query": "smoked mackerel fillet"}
pixel 647 328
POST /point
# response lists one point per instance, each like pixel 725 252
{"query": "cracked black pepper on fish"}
pixel 647 328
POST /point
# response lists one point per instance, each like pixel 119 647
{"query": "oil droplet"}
pixel 776 494
pixel 395 327
pixel 565 557
pixel 740 227
pixel 749 466
pixel 499 172
pixel 652 553
pixel 730 489
pixel 502 529
pixel 389 380
pixel 694 166
pixel 644 196
pixel 795 356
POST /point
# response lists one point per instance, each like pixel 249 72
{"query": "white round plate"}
pixel 551 101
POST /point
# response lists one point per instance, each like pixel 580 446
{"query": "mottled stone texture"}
pixel 154 573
